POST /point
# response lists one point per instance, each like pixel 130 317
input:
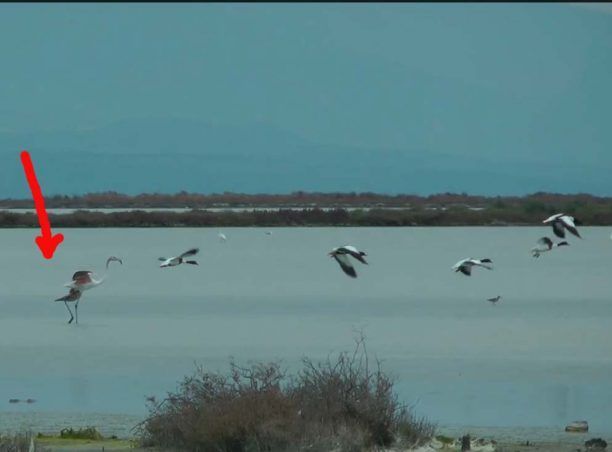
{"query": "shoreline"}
pixel 121 425
pixel 56 444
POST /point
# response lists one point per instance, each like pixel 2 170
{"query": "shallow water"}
pixel 539 358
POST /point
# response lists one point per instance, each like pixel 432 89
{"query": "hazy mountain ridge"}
pixel 170 155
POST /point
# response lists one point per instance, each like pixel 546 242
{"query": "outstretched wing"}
pixel 553 218
pixel 73 295
pixel 191 252
pixel 460 264
pixel 465 270
pixel 483 264
pixel 162 259
pixel 568 222
pixel 82 277
pixel 345 265
pixel 355 253
pixel 558 229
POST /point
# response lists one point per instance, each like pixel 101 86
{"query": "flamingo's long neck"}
pixel 102 278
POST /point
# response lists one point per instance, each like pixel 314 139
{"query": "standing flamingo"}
pixel 81 281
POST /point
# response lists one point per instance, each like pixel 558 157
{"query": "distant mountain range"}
pixel 170 155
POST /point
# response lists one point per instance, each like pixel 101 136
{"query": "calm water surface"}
pixel 540 358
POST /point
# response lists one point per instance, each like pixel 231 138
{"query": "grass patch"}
pixel 445 439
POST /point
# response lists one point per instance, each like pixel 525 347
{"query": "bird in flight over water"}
pixel 178 260
pixel 545 244
pixel 560 222
pixel 342 253
pixel 465 265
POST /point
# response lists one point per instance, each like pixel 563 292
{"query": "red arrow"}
pixel 47 242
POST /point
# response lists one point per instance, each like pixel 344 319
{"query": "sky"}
pixel 463 91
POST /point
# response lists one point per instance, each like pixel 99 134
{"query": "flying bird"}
pixel 465 265
pixel 545 244
pixel 83 280
pixel 222 237
pixel 342 253
pixel 178 260
pixel 494 299
pixel 560 222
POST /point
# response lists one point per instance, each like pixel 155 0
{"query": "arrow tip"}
pixel 48 244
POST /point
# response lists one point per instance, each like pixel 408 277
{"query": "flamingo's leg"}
pixel 71 316
pixel 76 311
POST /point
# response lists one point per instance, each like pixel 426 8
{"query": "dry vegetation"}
pixel 345 404
pixel 19 442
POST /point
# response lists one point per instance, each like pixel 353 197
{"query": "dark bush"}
pixel 343 404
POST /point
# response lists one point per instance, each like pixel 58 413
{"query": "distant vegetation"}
pixel 82 433
pixel 299 199
pixel 346 404
pixel 312 209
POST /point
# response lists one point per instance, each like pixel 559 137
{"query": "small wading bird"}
pixel 494 299
pixel 81 281
pixel 545 244
pixel 178 260
pixel 465 265
pixel 341 254
pixel 560 222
